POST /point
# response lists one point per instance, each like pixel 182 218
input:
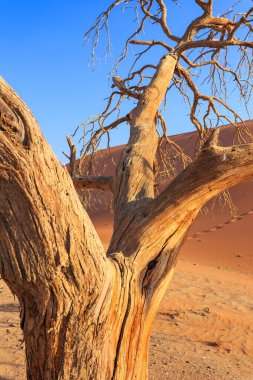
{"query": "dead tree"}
pixel 87 313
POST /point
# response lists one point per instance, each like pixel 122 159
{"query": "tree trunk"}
pixel 86 314
pixel 111 342
pixel 83 315
pixel 51 256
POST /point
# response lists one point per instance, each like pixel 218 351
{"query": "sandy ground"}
pixel 204 327
pixel 12 355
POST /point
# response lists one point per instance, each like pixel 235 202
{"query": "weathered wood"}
pixel 72 157
pixel 51 256
pixel 100 182
pixel 87 315
pixel 134 179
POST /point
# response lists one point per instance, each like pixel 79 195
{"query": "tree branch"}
pixel 162 20
pixel 212 139
pixel 134 176
pixel 72 157
pixel 100 182
pixel 212 44
pixel 206 6
pixel 122 87
pixel 151 43
pixel 160 224
pixel 97 134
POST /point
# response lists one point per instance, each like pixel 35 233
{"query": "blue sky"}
pixel 44 60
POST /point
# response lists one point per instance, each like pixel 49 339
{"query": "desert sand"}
pixel 204 325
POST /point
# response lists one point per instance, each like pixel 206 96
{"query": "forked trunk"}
pixel 107 340
pixel 87 314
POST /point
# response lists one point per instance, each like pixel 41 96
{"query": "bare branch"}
pixel 202 57
pixel 122 87
pixel 72 157
pixel 206 6
pixel 175 146
pixel 212 139
pixel 211 105
pixel 213 171
pixel 101 183
pixel 151 43
pixel 96 137
pixel 162 21
pixel 213 44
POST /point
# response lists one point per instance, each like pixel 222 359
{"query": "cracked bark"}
pixel 87 314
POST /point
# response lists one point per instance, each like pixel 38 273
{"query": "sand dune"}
pixel 204 326
pixel 218 238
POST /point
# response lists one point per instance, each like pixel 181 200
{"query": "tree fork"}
pixel 83 316
pixel 86 315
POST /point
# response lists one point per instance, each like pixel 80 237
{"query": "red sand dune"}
pixel 225 244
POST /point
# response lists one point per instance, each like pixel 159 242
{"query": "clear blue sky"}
pixel 43 58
